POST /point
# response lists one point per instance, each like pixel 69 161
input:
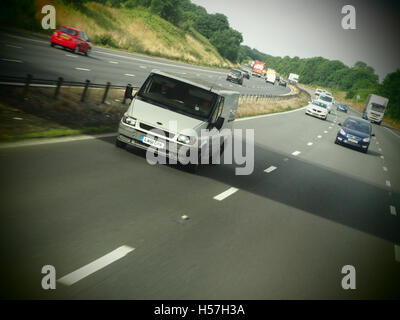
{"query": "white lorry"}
pixel 293 78
pixel 375 108
pixel 169 114
pixel 270 76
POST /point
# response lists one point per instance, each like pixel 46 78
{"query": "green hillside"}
pixel 137 29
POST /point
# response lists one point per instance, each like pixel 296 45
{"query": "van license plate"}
pixel 152 142
pixel 124 139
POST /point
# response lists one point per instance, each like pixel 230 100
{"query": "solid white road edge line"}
pixel 397 253
pixel 392 132
pixel 96 265
pixel 55 140
pixel 156 62
pixel 11 60
pixel 269 115
pixel 226 194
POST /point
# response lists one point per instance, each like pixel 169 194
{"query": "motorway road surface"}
pixel 21 55
pixel 112 226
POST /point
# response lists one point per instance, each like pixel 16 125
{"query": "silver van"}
pixel 169 114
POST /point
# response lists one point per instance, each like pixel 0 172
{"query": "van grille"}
pixel 156 130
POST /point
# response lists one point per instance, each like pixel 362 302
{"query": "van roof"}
pixel 204 84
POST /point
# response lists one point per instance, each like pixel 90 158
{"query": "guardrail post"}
pixel 59 83
pixel 27 83
pixel 106 92
pixel 128 92
pixel 85 90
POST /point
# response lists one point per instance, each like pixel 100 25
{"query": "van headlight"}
pixel 366 139
pixel 129 120
pixel 342 132
pixel 186 139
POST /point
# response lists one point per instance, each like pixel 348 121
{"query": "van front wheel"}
pixel 120 144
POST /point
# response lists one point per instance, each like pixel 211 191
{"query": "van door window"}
pixel 218 110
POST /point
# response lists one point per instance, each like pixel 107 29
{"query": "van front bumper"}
pixel 133 137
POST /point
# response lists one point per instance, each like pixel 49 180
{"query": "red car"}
pixel 71 38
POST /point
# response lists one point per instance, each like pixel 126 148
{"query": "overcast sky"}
pixel 309 28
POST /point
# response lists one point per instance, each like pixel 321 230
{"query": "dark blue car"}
pixel 342 107
pixel 355 132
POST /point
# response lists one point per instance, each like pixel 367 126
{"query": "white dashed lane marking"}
pixel 393 210
pixel 129 75
pixel 296 153
pixel 384 169
pixel 388 183
pixel 270 169
pixel 12 46
pixel 310 144
pixel 319 137
pixel 96 265
pixel 11 60
pixel 225 194
pixel 82 69
pixel 114 62
pixel 70 55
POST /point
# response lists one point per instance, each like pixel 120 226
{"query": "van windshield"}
pixel 178 96
pixel 377 107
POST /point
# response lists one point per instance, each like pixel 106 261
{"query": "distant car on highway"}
pixel 235 76
pixel 318 92
pixel 342 107
pixel 246 74
pixel 71 38
pixel 317 109
pixel 328 100
pixel 355 132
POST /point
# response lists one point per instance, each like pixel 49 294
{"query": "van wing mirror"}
pixel 372 134
pixel 128 92
pixel 219 123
